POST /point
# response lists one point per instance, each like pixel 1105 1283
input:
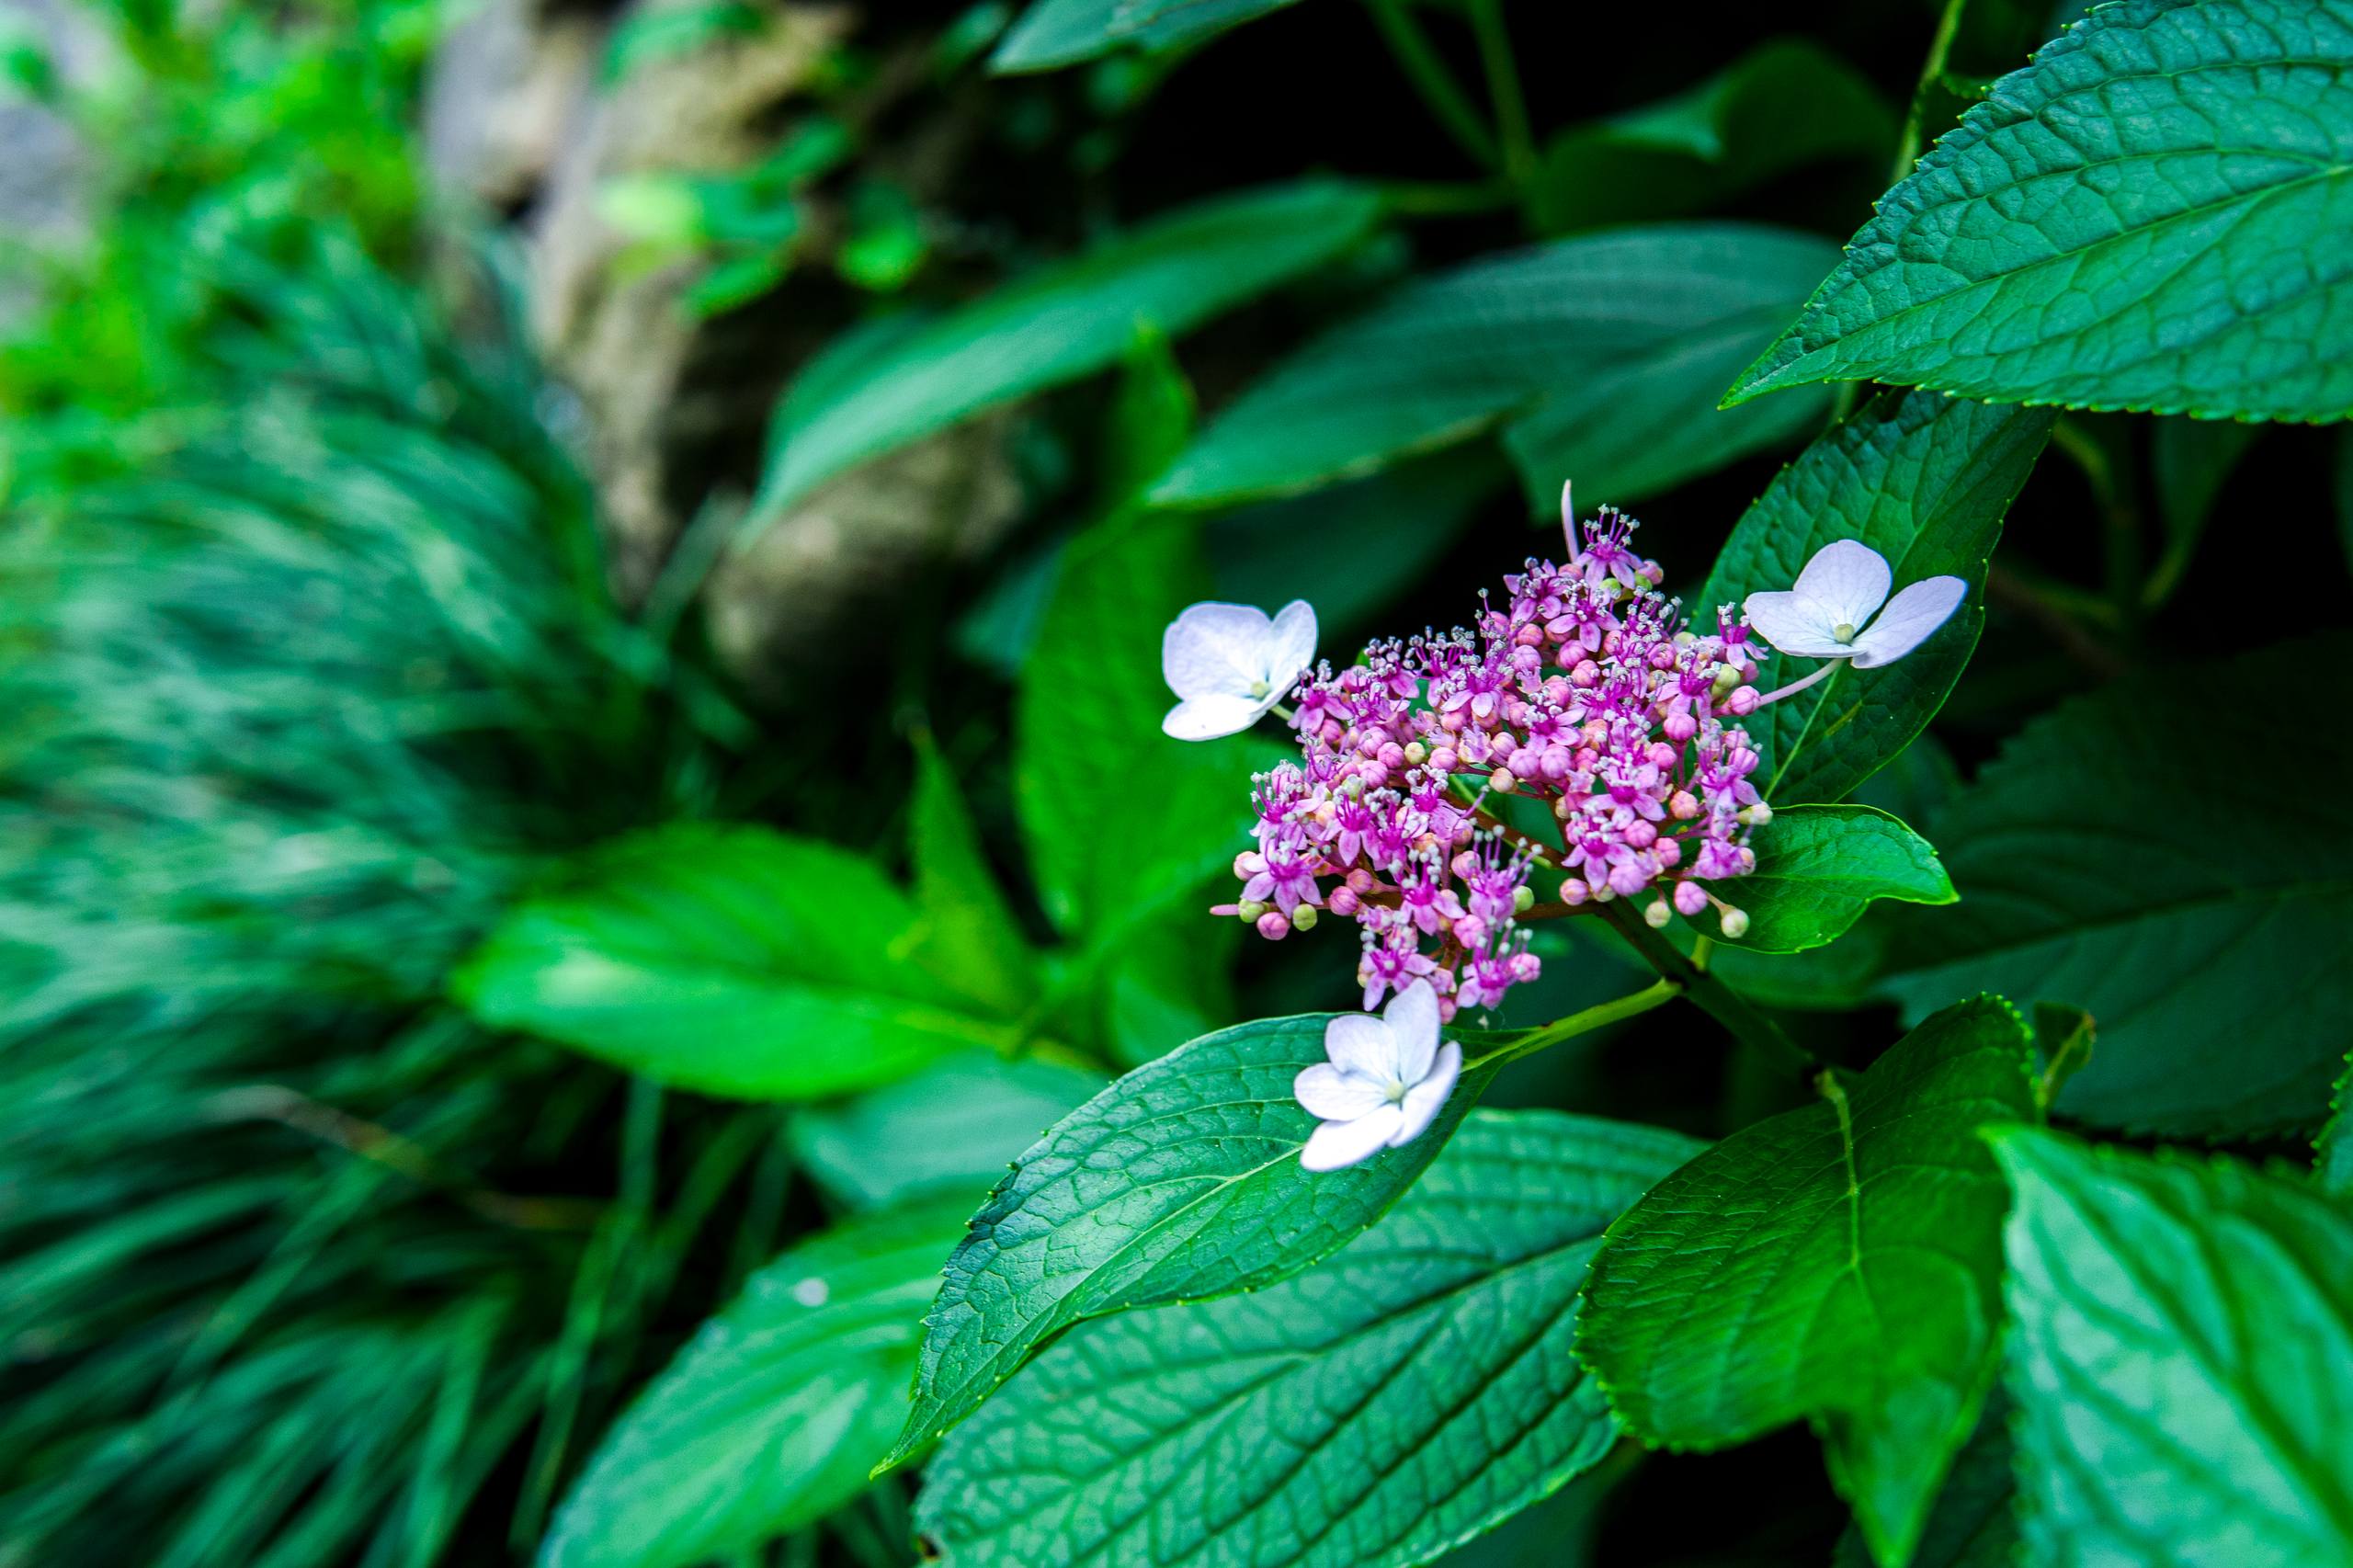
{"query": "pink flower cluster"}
pixel 1586 690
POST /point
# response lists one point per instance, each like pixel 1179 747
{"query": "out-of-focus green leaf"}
pixel 1240 1433
pixel 2181 1358
pixel 1782 105
pixel 1054 33
pixel 1818 867
pixel 957 1124
pixel 733 960
pixel 1840 1263
pixel 1063 321
pixel 2103 865
pixel 1181 1182
pixel 2150 216
pixel 1923 479
pixel 773 1413
pixel 2190 460
pixel 970 936
pixel 1591 356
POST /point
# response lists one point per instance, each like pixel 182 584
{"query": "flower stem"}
pixel 1797 685
pixel 1719 1001
pixel 1448 103
pixel 1585 1022
pixel 1504 91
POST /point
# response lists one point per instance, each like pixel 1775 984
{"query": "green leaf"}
pixel 2332 1150
pixel 1974 1523
pixel 1592 356
pixel 1818 867
pixel 2181 1357
pixel 1839 1262
pixel 2150 216
pixel 971 936
pixel 1181 1181
pixel 771 1416
pixel 959 1123
pixel 1054 33
pixel 1782 105
pixel 1063 321
pixel 1086 723
pixel 731 961
pixel 2191 461
pixel 2103 864
pixel 1408 1393
pixel 1923 479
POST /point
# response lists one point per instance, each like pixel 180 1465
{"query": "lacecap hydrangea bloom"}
pixel 1584 687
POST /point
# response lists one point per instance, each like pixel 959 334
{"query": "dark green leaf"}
pixel 1592 356
pixel 2150 216
pixel 1784 105
pixel 1974 1523
pixel 1180 1181
pixel 970 936
pixel 1054 33
pixel 2332 1150
pixel 1066 320
pixel 2181 1357
pixel 1923 479
pixel 959 1123
pixel 773 1413
pixel 733 961
pixel 2104 864
pixel 1407 1393
pixel 1818 867
pixel 2191 461
pixel 1841 1262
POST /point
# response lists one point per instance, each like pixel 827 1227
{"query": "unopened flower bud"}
pixel 1758 816
pixel 1735 923
pixel 1574 892
pixel 1640 834
pixel 1416 753
pixel 1682 805
pixel 1658 915
pixel 1442 758
pixel 1523 899
pixel 1251 911
pixel 1689 897
pixel 1344 901
pixel 1502 782
pixel 1470 931
pixel 1362 880
pixel 1603 892
pixel 1304 917
pixel 1743 701
pixel 1727 677
pixel 1248 864
pixel 1273 926
pixel 1564 808
pixel 1463 865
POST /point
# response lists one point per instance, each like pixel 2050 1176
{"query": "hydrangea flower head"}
pixel 1829 613
pixel 1230 664
pixel 1384 1082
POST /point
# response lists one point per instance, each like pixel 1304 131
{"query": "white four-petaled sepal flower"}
pixel 1828 613
pixel 1231 662
pixel 1385 1081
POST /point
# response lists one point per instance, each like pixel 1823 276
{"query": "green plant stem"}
pixel 1448 102
pixel 2120 516
pixel 1719 1001
pixel 1504 91
pixel 1908 146
pixel 1599 1015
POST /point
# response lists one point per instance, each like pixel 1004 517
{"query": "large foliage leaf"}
pixel 1407 1392
pixel 1592 356
pixel 772 1415
pixel 1054 33
pixel 1974 1522
pixel 1840 1262
pixel 734 960
pixel 1784 105
pixel 1818 867
pixel 1923 479
pixel 2104 863
pixel 971 936
pixel 2150 216
pixel 1180 1181
pixel 957 1124
pixel 2181 1357
pixel 1066 320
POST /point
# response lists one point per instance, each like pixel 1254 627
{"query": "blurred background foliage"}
pixel 441 440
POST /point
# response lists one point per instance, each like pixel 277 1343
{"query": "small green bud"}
pixel 1757 815
pixel 1416 753
pixel 1735 923
pixel 1658 915
pixel 1304 917
pixel 1523 899
pixel 1250 908
pixel 1727 680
